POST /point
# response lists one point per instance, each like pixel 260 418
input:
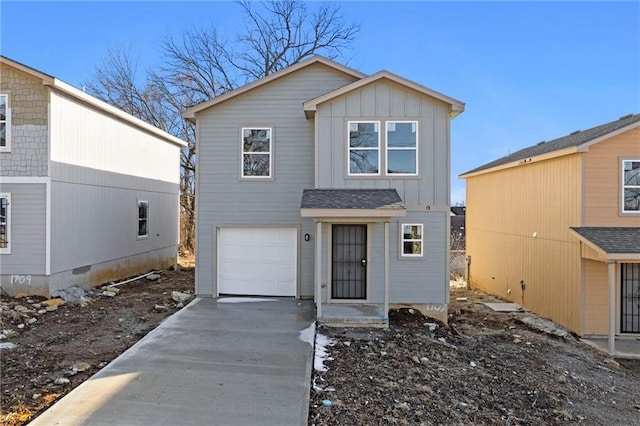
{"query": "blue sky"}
pixel 528 71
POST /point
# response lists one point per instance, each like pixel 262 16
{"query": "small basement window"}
pixel 5 217
pixel 143 219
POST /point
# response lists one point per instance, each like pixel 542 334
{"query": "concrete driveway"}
pixel 215 362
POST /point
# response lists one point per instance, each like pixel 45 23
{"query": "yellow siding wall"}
pixel 602 180
pixel 596 297
pixel 504 209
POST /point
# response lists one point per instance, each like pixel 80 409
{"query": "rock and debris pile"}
pixel 484 367
pixel 50 346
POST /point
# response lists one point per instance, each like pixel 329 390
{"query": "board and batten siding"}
pixel 517 226
pixel 101 166
pixel 226 200
pixel 386 100
pixel 28 229
pixel 602 180
pixel 596 297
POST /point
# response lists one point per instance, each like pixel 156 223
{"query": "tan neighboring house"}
pixel 556 228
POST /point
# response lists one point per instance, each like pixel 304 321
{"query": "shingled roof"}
pixel 351 199
pixel 612 239
pixel 571 140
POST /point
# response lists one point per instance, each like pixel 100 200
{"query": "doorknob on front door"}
pixel 364 262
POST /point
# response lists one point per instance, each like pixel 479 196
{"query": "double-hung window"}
pixel 364 148
pixel 5 124
pixel 257 150
pixel 5 218
pixel 402 147
pixel 412 239
pixel 631 186
pixel 143 219
pixel 394 149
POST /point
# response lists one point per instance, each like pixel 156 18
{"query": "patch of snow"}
pixel 244 300
pixel 308 334
pixel 321 353
pixel 7 345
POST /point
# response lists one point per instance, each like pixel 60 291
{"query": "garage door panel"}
pixel 257 261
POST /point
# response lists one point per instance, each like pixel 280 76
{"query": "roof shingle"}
pixel 351 199
pixel 573 139
pixel 612 240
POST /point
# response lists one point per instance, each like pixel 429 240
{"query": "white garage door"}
pixel 257 261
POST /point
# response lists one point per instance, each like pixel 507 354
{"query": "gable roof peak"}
pixel 190 113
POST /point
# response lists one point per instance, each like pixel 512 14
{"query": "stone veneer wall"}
pixel 28 101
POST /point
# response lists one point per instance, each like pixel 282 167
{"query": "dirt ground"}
pixel 56 350
pixel 484 367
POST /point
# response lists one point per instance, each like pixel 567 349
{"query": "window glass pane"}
pixel 632 173
pixel 363 135
pixel 412 232
pixel 632 199
pixel 401 162
pixel 256 140
pixel 255 165
pixel 401 135
pixel 3 107
pixel 363 161
pixel 412 247
pixel 142 227
pixel 3 134
pixel 142 211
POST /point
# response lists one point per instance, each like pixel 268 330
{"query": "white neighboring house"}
pixel 88 193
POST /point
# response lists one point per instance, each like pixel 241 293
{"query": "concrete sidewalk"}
pixel 212 363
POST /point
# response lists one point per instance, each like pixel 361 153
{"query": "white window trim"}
pixel 349 148
pixel 7 147
pixel 269 153
pixel 138 236
pixel 387 148
pixel 7 250
pixel 623 187
pixel 403 240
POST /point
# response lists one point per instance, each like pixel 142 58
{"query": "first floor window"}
pixel 631 186
pixel 5 217
pixel 412 239
pixel 143 218
pixel 256 152
pixel 5 123
pixel 364 148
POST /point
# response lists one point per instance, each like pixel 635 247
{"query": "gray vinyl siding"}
pixel 226 200
pixel 28 229
pixel 386 100
pixel 96 216
pixel 422 279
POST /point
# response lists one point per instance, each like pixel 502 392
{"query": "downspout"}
pixel 386 272
pixel 318 278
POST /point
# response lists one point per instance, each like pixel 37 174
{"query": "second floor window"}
pixel 364 148
pixel 5 123
pixel 402 147
pixel 256 152
pixel 631 186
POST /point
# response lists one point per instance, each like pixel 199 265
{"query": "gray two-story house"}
pixel 321 182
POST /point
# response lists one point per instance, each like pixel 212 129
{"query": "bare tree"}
pixel 201 64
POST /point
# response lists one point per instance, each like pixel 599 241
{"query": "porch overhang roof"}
pixel 351 203
pixel 611 243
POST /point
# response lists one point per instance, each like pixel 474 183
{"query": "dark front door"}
pixel 630 298
pixel 349 262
